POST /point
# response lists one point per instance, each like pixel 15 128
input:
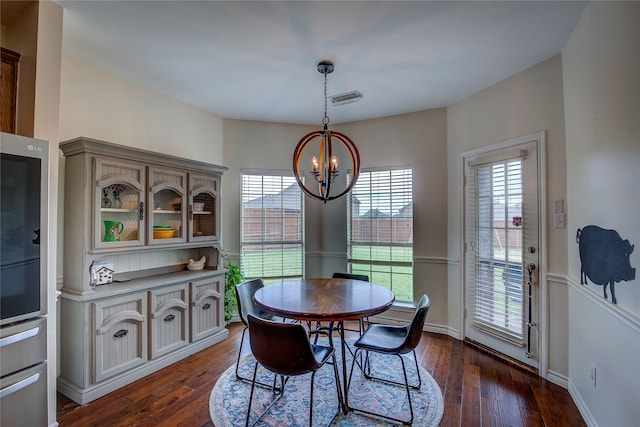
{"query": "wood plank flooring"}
pixel 479 389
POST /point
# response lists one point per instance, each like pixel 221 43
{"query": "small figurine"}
pixel 196 265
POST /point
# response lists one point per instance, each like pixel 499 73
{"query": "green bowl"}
pixel 161 226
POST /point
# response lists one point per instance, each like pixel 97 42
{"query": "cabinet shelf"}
pixel 165 211
pixel 118 210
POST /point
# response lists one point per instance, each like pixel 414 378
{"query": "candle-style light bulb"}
pixel 314 160
pixel 334 162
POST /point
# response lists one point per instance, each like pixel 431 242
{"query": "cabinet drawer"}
pixel 120 335
pixel 168 318
pixel 207 307
pixel 23 345
pixel 23 400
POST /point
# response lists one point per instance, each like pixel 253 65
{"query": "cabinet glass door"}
pixel 119 202
pixel 204 208
pixel 168 201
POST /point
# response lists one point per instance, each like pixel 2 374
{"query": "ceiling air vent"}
pixel 345 98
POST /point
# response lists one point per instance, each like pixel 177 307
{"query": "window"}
pixel 380 229
pixel 271 227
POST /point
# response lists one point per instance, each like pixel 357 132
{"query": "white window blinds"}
pixel 495 227
pixel 380 229
pixel 271 227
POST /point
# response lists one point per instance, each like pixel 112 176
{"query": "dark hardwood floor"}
pixel 478 388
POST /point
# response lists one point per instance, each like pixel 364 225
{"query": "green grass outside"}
pixel 398 279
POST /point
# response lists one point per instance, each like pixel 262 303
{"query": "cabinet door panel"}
pixel 118 203
pixel 167 199
pixel 169 307
pixel 204 208
pixel 207 307
pixel 120 335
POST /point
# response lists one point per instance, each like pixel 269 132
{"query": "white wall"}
pixel 602 108
pixel 528 102
pixel 100 105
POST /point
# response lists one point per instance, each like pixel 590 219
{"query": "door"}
pixel 501 249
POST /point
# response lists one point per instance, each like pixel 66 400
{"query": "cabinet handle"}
pixel 169 317
pixel 190 212
pixel 141 211
pixel 207 306
pixel 121 333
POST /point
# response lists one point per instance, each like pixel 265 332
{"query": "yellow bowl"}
pixel 165 233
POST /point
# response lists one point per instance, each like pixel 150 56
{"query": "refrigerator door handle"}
pixel 19 385
pixel 12 339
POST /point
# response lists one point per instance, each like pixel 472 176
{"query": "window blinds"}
pixel 495 250
pixel 271 227
pixel 380 229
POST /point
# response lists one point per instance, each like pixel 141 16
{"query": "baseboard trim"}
pixel 582 406
pixel 557 379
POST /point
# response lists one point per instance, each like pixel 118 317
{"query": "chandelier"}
pixel 324 167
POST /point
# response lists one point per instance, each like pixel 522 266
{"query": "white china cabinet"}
pixel 141 216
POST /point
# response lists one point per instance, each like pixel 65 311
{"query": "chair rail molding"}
pixel 595 295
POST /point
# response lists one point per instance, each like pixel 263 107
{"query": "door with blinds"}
pixel 501 250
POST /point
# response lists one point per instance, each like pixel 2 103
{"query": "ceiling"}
pixel 257 60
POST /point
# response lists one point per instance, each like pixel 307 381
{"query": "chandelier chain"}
pixel 325 119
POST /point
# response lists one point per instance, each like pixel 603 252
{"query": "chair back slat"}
pixel 282 348
pixel 362 277
pixel 417 325
pixel 244 296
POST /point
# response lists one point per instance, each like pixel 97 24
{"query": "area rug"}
pixel 229 397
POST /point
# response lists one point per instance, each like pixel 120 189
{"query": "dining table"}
pixel 330 300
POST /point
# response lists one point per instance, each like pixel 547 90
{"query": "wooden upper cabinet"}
pixel 9 90
pixel 204 209
pixel 167 201
pixel 119 203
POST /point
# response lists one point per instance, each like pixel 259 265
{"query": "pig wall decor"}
pixel 604 257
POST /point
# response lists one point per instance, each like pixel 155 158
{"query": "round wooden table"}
pixel 326 300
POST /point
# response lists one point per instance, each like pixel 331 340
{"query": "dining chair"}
pixel 285 350
pixel 246 306
pixel 392 340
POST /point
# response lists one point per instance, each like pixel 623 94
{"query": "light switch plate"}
pixel 558 220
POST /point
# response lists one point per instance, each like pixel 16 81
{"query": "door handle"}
pixel 530 267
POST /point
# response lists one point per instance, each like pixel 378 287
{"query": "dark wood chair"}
pixel 393 340
pixel 285 350
pixel 246 306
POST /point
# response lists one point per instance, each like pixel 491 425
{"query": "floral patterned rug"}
pixel 229 397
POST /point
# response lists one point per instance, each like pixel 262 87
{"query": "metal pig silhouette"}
pixel 604 257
